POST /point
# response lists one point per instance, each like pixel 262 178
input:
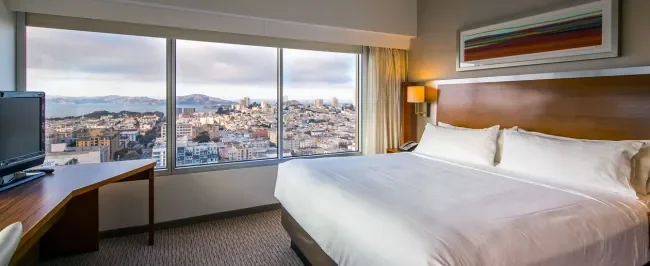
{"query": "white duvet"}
pixel 404 209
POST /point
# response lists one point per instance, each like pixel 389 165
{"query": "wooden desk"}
pixel 60 212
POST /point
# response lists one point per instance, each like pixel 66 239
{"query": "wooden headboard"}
pixel 610 108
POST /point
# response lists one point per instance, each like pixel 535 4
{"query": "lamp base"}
pixel 426 113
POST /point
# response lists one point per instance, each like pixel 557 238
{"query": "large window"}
pixel 108 99
pixel 226 103
pixel 320 102
pixel 105 94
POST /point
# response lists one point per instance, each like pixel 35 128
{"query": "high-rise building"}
pixel 242 104
pixel 160 155
pixel 318 103
pixel 189 110
pixel 285 99
pixel 265 105
pixel 247 101
pixel 63 155
pixel 273 136
pixel 99 137
pixel 182 130
pixel 192 153
pixel 239 153
pixel 335 102
pixel 131 135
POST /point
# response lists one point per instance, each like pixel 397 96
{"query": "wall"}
pixel 367 15
pixel 433 52
pixel 182 196
pixel 7 51
pixel 356 22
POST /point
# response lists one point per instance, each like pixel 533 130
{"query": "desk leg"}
pixel 151 206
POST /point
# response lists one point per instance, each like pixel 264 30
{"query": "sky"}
pixel 76 63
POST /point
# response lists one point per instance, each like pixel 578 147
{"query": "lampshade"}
pixel 415 94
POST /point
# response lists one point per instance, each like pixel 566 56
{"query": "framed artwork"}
pixel 588 31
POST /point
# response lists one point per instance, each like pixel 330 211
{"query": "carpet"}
pixel 256 239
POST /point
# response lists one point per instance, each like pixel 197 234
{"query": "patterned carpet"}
pixel 256 239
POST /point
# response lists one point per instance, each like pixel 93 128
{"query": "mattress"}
pixel 403 209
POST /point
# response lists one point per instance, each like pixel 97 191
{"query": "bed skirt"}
pixel 304 246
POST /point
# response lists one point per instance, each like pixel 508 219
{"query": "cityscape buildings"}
pixel 247 131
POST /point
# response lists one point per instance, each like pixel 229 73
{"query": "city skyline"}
pixel 326 99
pixel 236 133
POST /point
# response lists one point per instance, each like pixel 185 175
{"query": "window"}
pixel 105 94
pixel 320 102
pixel 226 97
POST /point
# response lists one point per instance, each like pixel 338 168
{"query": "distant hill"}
pixel 194 99
pixel 200 99
pixel 99 114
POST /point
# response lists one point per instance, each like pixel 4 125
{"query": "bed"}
pixel 410 209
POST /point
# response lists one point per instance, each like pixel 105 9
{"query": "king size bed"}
pixel 423 209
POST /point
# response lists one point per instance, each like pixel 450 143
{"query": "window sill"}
pixel 245 164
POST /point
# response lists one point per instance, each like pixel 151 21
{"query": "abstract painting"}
pixel 578 33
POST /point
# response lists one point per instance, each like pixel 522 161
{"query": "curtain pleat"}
pixel 381 97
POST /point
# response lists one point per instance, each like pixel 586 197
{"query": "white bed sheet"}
pixel 403 209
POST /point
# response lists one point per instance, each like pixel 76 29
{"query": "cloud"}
pixel 304 68
pixel 120 56
pixel 65 54
pixel 201 62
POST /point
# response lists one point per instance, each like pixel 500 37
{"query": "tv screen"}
pixel 21 131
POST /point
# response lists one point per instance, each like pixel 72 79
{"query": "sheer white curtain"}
pixel 386 70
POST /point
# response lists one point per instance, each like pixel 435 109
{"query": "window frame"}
pixel 171 146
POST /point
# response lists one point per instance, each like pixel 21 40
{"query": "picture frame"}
pixel 584 32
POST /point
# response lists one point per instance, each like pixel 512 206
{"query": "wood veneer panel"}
pixel 608 108
pixel 409 119
pixel 78 229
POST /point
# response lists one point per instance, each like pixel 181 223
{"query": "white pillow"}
pixel 604 165
pixel 9 238
pixel 497 156
pixel 477 146
pixel 640 163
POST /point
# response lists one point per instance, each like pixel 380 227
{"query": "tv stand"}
pixel 17 179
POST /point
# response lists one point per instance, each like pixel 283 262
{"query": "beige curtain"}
pixel 386 70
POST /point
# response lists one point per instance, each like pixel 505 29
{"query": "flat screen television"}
pixel 22 133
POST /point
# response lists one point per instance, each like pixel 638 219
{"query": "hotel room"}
pixel 340 132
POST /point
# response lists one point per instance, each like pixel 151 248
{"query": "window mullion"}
pixel 21 53
pixel 171 106
pixel 280 106
pixel 361 72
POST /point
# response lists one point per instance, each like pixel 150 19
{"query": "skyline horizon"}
pixel 60 110
pixel 229 99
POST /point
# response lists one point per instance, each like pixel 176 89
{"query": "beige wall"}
pixel 433 52
pixel 7 51
pixel 356 22
pixel 182 196
pixel 355 14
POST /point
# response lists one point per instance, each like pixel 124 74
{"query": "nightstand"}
pixel 393 150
